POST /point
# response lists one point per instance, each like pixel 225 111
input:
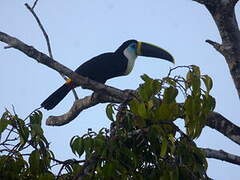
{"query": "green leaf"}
pixel 142 110
pixel 196 84
pixel 88 146
pixel 209 103
pixel 163 112
pixel 23 131
pixel 156 130
pixel 47 176
pixel 36 130
pixel 146 78
pixel 99 142
pixel 196 70
pixel 134 106
pixel 156 87
pixel 163 147
pixel 36 118
pixel 77 146
pixel 170 95
pixel 188 106
pixel 174 174
pixel 110 112
pixel 139 122
pixel 167 112
pixel 170 81
pixel 34 161
pixel 145 90
pixel 108 170
pixel 3 124
pixel 44 140
pixel 189 76
pixel 208 82
pixel 72 140
pixel 149 88
pixel 80 146
pixel 138 108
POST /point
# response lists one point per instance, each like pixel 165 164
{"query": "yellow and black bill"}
pixel 149 50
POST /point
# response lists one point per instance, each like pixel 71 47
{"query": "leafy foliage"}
pixel 13 164
pixel 143 142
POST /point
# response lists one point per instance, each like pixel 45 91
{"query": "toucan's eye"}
pixel 134 45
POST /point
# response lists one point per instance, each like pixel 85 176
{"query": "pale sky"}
pixel 81 29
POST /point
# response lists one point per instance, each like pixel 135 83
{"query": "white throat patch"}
pixel 131 56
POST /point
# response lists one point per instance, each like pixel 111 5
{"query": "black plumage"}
pixel 107 66
pixel 111 64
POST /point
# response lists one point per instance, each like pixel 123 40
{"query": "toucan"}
pixel 109 65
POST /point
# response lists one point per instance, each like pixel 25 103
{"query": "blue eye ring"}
pixel 133 45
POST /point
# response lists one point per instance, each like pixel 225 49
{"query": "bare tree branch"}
pixel 47 39
pixel 42 58
pixel 78 107
pixel 215 120
pixel 216 45
pixel 221 155
pixel 34 4
pixel 224 126
pixel 225 19
pixel 42 29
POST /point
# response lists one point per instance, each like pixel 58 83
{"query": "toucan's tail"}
pixel 56 97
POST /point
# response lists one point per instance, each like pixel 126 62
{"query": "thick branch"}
pixel 42 58
pixel 215 120
pixel 78 107
pixel 224 126
pixel 224 16
pixel 221 155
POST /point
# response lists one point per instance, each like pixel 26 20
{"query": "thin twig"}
pixel 42 29
pixel 7 47
pixel 35 3
pixel 216 45
pixel 177 67
pixel 69 161
pixel 59 173
pixel 47 40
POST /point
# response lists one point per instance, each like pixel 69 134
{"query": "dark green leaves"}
pixel 152 115
pixel 150 88
pixel 77 145
pixel 208 82
pixel 198 103
pixel 163 147
pixel 3 122
pixel 170 95
pixel 34 161
pixel 24 139
pixel 110 112
pixel 144 141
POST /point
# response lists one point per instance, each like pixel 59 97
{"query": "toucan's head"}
pixel 138 48
pixel 132 48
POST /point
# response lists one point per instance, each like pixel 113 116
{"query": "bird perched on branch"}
pixel 109 65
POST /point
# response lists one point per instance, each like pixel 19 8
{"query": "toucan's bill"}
pixel 149 50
